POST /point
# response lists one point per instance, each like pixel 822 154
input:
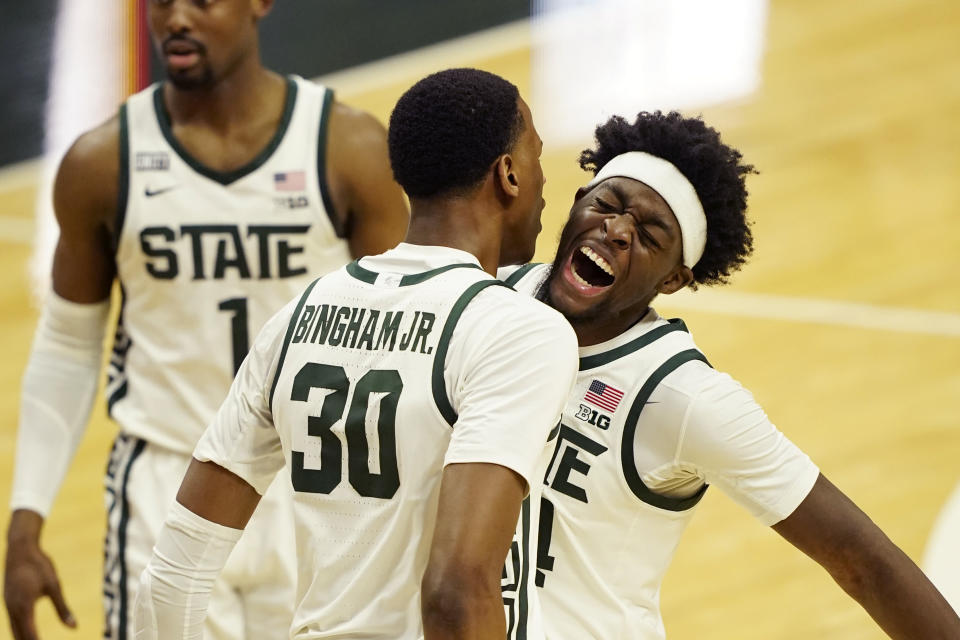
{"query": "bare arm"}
pixel 369 203
pixel 85 202
pixel 476 517
pixel 217 495
pixel 831 529
pixel 85 197
pixel 198 534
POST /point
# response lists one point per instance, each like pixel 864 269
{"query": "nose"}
pixel 178 17
pixel 618 230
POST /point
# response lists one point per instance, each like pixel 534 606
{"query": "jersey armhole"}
pixel 339 227
pixel 437 381
pixel 123 178
pixel 627 460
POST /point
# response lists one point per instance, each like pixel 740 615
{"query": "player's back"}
pixel 362 407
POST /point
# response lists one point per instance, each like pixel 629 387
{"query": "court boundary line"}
pixel 834 313
pixel 838 313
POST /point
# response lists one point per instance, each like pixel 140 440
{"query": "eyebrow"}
pixel 649 219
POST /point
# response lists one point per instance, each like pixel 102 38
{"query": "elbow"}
pixel 454 601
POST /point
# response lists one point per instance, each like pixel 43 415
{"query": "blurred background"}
pixel 845 324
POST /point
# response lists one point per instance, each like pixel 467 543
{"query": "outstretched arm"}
pixel 369 204
pixel 831 529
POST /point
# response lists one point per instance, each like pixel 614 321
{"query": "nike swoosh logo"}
pixel 155 192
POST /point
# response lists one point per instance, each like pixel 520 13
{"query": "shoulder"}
pixel 696 384
pixel 95 149
pixel 356 148
pixel 352 126
pixel 713 408
pixel 86 184
pixel 512 315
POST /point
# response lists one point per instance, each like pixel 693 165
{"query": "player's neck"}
pixel 459 224
pixel 601 325
pixel 597 331
pixel 235 99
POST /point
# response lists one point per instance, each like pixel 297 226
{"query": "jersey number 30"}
pixel 383 383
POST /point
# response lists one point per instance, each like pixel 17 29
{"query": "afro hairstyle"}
pixel 449 127
pixel 714 169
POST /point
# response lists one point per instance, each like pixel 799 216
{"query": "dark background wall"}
pixel 308 37
pixel 26 36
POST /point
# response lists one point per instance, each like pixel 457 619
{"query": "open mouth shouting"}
pixel 588 272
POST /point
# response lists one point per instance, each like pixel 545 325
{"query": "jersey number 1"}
pixel 238 329
pixel 388 385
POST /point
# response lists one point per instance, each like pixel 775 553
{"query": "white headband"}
pixel 673 187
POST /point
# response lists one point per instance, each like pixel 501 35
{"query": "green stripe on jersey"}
pixel 417 278
pixel 629 463
pixel 338 226
pixel 288 337
pixel 123 181
pixel 517 275
pixel 370 277
pixel 225 177
pixel 600 359
pixel 439 388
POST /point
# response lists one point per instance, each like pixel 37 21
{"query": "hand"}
pixel 29 575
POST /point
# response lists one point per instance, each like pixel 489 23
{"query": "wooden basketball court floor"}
pixel 845 325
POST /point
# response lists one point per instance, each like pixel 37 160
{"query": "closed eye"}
pixel 603 205
pixel 646 236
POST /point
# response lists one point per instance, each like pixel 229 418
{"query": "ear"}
pixel 582 191
pixel 677 279
pixel 261 8
pixel 505 175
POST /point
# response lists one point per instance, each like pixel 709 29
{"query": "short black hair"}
pixel 449 127
pixel 714 169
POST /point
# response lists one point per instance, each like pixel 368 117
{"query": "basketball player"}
pixel 212 198
pixel 650 424
pixel 408 398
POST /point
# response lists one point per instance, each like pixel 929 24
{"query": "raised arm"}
pixel 730 437
pixel 833 531
pixel 60 381
pixel 369 204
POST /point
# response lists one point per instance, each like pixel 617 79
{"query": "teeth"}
pixel 577 277
pixel 597 259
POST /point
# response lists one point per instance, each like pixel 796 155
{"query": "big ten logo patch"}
pixel 594 417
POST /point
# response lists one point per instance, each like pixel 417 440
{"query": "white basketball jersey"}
pixel 606 540
pixel 204 258
pixel 362 369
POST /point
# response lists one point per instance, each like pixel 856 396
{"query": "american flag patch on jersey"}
pixel 290 181
pixel 603 395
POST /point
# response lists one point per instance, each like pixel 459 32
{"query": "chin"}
pixel 571 305
pixel 191 80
